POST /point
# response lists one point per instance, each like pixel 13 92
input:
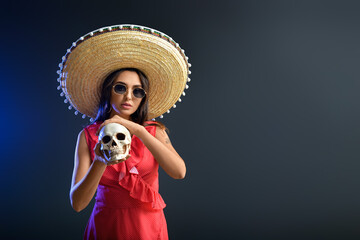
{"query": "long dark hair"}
pixel 141 114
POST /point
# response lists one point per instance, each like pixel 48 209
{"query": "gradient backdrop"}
pixel 269 128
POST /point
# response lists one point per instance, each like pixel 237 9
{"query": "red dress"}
pixel 128 204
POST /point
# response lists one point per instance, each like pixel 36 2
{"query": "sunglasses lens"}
pixel 139 92
pixel 119 88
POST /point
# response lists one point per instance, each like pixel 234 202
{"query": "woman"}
pixel 128 205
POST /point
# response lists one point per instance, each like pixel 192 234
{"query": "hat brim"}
pixel 91 61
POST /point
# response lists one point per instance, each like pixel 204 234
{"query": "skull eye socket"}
pixel 120 136
pixel 106 139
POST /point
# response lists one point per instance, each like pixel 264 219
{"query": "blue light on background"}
pixel 23 101
pixel 14 114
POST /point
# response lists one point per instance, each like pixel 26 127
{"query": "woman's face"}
pixel 125 104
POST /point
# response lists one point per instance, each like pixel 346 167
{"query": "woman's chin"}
pixel 123 113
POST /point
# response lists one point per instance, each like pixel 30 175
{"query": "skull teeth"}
pixel 115 152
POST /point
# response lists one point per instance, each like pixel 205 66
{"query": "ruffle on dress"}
pixel 141 190
pixel 130 179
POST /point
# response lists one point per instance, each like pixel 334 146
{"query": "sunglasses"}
pixel 120 88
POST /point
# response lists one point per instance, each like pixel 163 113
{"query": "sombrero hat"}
pixel 95 55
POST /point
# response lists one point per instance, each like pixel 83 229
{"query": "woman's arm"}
pixel 164 153
pixel 159 146
pixel 86 175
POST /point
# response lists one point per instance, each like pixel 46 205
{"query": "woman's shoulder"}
pixel 155 127
pixel 152 127
pixel 92 128
pixel 150 122
pixel 155 124
pixel 93 125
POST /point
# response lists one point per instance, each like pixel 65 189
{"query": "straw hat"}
pixel 94 56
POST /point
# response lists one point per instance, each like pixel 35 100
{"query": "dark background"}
pixel 269 127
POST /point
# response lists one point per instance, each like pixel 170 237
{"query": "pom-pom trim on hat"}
pixel 125 27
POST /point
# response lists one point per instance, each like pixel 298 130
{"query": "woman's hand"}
pixel 99 156
pixel 133 127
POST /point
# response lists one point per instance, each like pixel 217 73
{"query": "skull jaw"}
pixel 116 155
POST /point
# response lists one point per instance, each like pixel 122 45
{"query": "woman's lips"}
pixel 126 105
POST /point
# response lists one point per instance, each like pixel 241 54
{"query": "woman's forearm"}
pixel 83 191
pixel 169 160
pixel 164 154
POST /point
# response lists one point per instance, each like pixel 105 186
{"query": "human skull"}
pixel 115 141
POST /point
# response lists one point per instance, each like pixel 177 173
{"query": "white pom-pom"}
pixel 177 45
pixel 59 87
pixel 161 116
pixel 186 58
pixel 189 72
pixel 153 119
pixel 189 80
pixel 174 106
pixel 58 80
pixel 82 38
pixel 101 30
pixel 83 116
pixel 60 65
pixel 121 26
pixel 62 94
pixel 189 64
pixel 183 93
pixel 91 119
pixel 58 72
pixel 109 28
pixel 66 101
pixel 68 50
pixel 179 100
pixel 70 107
pixel 187 86
pixel 168 111
pixel 132 26
pixel 76 112
pixel 91 34
pixel 152 30
pixel 74 44
pixel 63 58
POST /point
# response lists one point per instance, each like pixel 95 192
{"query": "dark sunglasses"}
pixel 120 88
